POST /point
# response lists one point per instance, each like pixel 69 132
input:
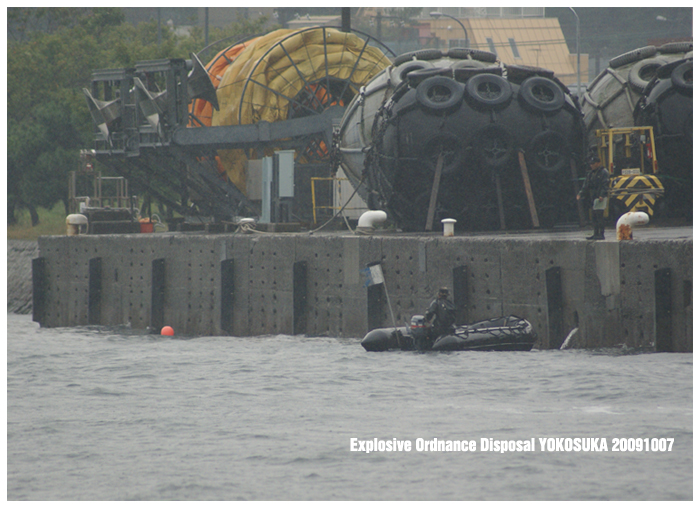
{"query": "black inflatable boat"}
pixel 508 333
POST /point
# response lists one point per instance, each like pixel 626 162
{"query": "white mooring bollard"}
pixel 74 222
pixel 448 227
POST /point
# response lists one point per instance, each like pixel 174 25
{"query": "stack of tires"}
pixel 474 116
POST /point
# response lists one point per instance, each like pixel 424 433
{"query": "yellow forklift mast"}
pixel 629 154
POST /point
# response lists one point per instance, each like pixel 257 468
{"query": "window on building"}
pixel 492 46
pixel 458 43
pixel 514 47
pixel 512 12
pixel 533 11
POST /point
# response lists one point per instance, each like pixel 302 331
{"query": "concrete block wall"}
pixel 637 268
pixel 605 289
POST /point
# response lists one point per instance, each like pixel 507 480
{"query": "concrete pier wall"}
pixel 632 293
pixel 19 275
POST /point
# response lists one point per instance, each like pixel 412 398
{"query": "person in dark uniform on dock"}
pixel 442 310
pixel 594 192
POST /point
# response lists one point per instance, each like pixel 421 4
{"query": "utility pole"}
pixel 578 54
pixel 345 19
pixel 206 27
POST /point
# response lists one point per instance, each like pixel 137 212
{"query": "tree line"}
pixel 51 54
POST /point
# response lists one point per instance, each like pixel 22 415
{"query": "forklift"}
pixel 629 154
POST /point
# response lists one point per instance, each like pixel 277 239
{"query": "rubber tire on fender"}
pixel 632 56
pixel 464 73
pixel 474 54
pixel 416 77
pixel 484 56
pixel 641 68
pixel 474 92
pixel 678 78
pixel 421 54
pixel 428 54
pixel 487 135
pixel 469 64
pixel 543 140
pixel 426 98
pixel 676 47
pixel 459 53
pixel 519 73
pixel 548 106
pixel 398 74
pixel 665 71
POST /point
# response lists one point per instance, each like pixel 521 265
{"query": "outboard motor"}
pixel 419 334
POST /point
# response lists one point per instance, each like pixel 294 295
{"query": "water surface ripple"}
pixel 98 413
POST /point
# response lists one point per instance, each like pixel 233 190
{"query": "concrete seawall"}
pixel 634 293
pixel 19 275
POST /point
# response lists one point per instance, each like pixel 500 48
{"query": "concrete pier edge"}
pixel 618 294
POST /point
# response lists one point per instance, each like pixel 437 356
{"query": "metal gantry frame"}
pixel 141 122
pixel 95 198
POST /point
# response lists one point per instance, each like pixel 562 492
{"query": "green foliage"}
pixel 51 222
pixel 51 54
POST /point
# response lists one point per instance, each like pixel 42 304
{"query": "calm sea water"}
pixel 98 413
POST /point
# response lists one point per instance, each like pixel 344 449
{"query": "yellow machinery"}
pixel 290 74
pixel 629 153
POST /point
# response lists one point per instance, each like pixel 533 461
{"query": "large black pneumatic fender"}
pixel 548 151
pixel 479 121
pixel 495 145
pixel 667 104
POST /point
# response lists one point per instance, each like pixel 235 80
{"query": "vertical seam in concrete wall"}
pixel 158 284
pixel 607 261
pixel 351 260
pixel 500 277
pixel 39 283
pixel 95 291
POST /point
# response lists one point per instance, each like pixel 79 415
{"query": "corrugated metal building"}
pixel 533 41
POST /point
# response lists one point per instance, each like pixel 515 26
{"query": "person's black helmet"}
pixel 593 159
pixel 444 291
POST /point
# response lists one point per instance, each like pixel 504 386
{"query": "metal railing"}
pixel 337 193
pixel 118 199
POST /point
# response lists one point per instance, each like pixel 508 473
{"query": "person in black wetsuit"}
pixel 596 187
pixel 442 310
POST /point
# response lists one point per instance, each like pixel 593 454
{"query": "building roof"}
pixel 537 42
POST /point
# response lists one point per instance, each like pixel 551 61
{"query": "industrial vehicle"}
pixel 629 153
